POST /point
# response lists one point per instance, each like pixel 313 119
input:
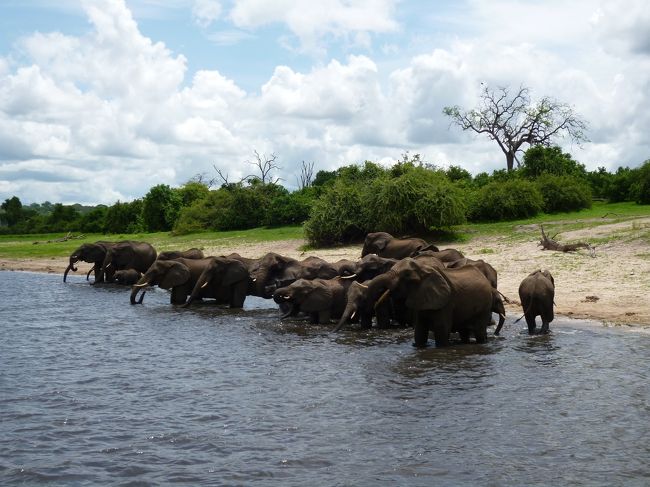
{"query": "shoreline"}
pixel 605 289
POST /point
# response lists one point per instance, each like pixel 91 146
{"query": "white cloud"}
pixel 310 22
pixel 206 11
pixel 110 113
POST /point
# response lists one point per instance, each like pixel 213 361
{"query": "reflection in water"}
pixel 95 391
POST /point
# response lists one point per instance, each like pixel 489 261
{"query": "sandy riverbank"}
pixel 612 287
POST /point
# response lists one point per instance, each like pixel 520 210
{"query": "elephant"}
pixel 536 293
pixel 369 266
pixel 128 255
pixel 179 275
pixel 275 271
pixel 127 276
pixel 94 253
pixel 224 279
pixel 443 300
pixel 485 268
pixel 321 299
pixel 192 253
pixel 385 245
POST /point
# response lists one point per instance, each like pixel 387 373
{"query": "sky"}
pixel 102 99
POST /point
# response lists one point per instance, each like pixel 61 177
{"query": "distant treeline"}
pixel 410 197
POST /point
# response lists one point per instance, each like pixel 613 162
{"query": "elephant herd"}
pixel 406 282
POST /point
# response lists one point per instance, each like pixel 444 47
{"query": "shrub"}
pixel 563 193
pixel 539 160
pixel 641 187
pixel 290 209
pixel 417 201
pixel 160 208
pixel 338 215
pixel 508 200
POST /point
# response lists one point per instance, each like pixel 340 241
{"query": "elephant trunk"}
pixel 136 289
pixel 73 260
pixel 287 309
pixel 502 319
pixel 348 314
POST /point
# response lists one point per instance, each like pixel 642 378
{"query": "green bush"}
pixel 563 193
pixel 290 209
pixel 338 215
pixel 417 201
pixel 507 200
pixel 640 189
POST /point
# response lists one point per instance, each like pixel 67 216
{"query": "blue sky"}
pixel 102 99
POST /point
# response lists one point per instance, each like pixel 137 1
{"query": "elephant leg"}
pixel 365 320
pixel 324 316
pixel 238 296
pixel 464 335
pixel 530 321
pixel 544 329
pixel 421 335
pixel 178 296
pixel 382 312
pixel 481 334
pixel 441 335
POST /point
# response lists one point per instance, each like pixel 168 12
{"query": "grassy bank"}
pixel 23 247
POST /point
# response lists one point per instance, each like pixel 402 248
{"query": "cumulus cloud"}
pixel 110 113
pixel 206 11
pixel 310 22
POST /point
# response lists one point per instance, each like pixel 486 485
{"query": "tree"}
pixel 513 121
pixel 13 211
pixel 160 208
pixel 540 160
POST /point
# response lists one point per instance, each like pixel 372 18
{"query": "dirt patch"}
pixel 612 287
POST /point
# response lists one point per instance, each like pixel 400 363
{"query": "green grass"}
pixel 21 246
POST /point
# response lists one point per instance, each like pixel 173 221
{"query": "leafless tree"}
pixel 224 178
pixel 265 165
pixel 513 121
pixel 306 175
pixel 202 178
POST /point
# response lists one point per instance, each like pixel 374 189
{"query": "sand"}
pixel 613 287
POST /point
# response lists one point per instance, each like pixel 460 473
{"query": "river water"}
pixel 94 391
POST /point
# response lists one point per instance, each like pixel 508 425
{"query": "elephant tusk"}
pixel 286 297
pixel 382 298
pixel 206 283
pixel 141 285
pixel 353 314
pixel 502 316
pixel 362 285
pixel 110 264
pixel 254 279
pixel 351 276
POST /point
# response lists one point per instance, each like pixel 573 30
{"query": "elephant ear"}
pixel 125 255
pixel 433 293
pixel 235 272
pixel 177 274
pixel 318 299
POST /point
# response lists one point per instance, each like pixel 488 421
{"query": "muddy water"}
pixel 94 391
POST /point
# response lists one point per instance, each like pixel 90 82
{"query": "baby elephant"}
pixel 536 293
pixel 127 276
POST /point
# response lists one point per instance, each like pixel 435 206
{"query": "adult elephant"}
pixel 223 279
pixel 192 253
pixel 536 293
pixel 128 255
pixel 444 255
pixel 275 271
pixel 443 300
pixel 385 245
pixel 321 299
pixel 178 275
pixel 93 253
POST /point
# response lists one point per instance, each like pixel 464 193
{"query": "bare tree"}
pixel 224 179
pixel 514 121
pixel 202 178
pixel 306 175
pixel 265 166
